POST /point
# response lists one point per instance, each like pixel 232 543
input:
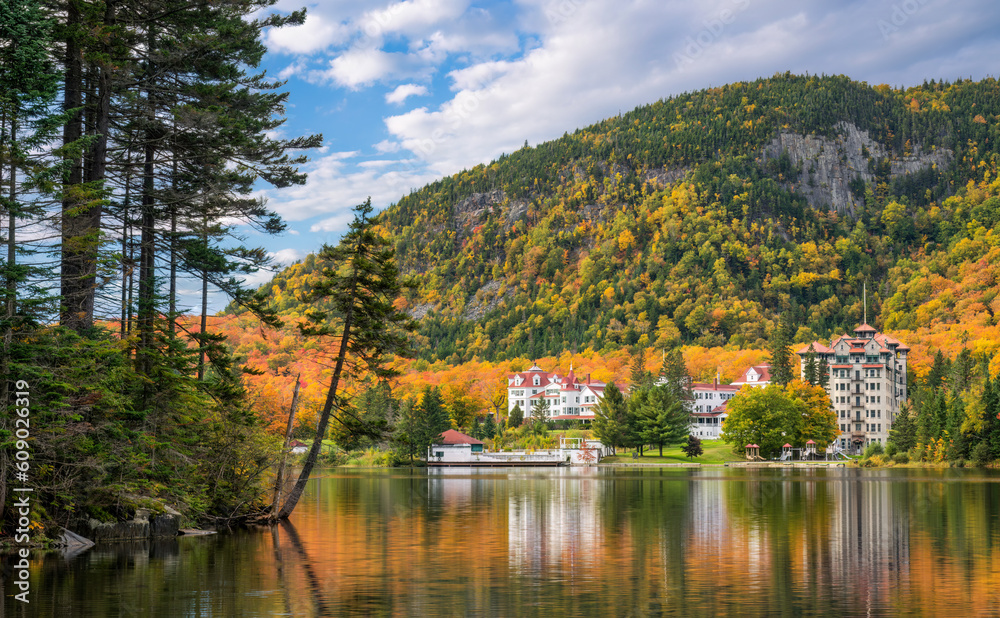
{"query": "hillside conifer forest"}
pixel 695 223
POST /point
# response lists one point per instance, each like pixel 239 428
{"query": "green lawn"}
pixel 716 452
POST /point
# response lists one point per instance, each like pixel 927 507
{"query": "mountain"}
pixel 700 218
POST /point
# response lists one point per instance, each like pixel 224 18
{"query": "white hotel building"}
pixel 708 410
pixel 867 383
pixel 568 396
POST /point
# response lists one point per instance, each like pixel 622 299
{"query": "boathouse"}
pixel 454 447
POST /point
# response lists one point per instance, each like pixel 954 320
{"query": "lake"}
pixel 582 541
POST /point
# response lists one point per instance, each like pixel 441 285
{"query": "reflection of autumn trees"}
pixel 734 541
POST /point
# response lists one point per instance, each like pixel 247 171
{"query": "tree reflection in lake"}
pixel 577 541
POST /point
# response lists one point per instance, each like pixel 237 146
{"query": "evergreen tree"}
pixel 823 373
pixel 674 375
pixel 811 369
pixel 660 415
pixel 640 376
pixel 609 424
pixel 490 427
pixel 540 416
pixel 939 371
pixel 928 429
pixel 516 417
pixel 434 418
pixel 904 431
pixel 991 418
pixel 405 439
pixel 781 351
pixel 360 283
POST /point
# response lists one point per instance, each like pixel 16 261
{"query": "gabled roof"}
pixel 456 437
pixel 818 348
pixel 763 371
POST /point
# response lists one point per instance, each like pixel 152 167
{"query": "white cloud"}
pixel 363 66
pixel 317 33
pixel 403 91
pixel 286 257
pixel 533 69
pixel 596 59
pixel 386 146
pixel 411 17
pixel 342 180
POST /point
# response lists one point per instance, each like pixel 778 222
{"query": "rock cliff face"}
pixel 829 165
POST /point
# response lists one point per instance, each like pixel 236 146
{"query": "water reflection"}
pixel 579 541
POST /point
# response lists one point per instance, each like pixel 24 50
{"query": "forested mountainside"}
pixel 698 219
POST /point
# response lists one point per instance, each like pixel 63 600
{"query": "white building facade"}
pixel 708 408
pixel 867 383
pixel 568 396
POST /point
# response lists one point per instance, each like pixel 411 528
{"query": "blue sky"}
pixel 407 92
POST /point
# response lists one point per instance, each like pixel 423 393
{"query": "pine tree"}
pixel 516 417
pixel 539 416
pixel 490 427
pixel 904 432
pixel 991 417
pixel 640 376
pixel 781 352
pixel 660 415
pixel 823 373
pixel 811 369
pixel 360 282
pixel 610 422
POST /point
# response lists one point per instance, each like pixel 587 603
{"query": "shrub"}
pixel 901 458
pixel 891 450
pixel 981 454
pixel 875 448
pixel 874 461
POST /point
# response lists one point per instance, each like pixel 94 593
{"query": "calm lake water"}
pixel 570 542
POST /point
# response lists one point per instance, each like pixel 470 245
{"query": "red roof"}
pixel 705 386
pixel 864 328
pixel 457 437
pixel 763 371
pixel 810 442
pixel 818 348
pixel 787 445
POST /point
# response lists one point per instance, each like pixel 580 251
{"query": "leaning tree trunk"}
pixel 324 419
pixel 280 478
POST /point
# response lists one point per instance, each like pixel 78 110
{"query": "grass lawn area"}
pixel 716 452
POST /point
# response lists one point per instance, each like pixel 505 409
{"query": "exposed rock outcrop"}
pixel 829 165
pixel 486 299
pixel 144 525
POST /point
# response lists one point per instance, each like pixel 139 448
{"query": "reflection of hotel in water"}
pixel 747 524
pixel 870 531
pixel 554 522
